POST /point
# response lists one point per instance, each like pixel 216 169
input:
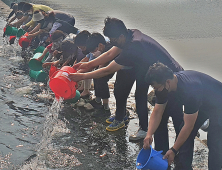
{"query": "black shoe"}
pixel 95 104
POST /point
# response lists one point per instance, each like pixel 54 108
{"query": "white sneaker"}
pixel 140 134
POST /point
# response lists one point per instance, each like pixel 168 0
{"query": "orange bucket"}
pixel 24 41
pixel 61 84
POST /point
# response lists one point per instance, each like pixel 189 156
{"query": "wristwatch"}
pixel 174 151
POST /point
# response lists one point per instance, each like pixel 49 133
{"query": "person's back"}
pixel 64 17
pixel 202 87
pixel 141 51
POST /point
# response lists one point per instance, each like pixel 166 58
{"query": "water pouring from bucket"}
pixel 151 159
pixel 61 84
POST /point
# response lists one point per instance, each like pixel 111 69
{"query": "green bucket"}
pixel 11 30
pixel 39 76
pixel 20 33
pixel 75 99
pixel 39 49
pixel 34 64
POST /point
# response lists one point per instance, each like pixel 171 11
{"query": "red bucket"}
pixel 61 84
pixel 24 41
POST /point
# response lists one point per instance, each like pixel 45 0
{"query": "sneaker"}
pixel 140 134
pixel 111 119
pixel 95 104
pixel 115 125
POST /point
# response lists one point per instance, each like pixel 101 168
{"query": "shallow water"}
pixel 35 134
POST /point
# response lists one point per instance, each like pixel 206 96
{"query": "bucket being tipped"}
pixel 11 31
pixel 151 159
pixel 24 42
pixel 75 99
pixel 61 84
pixel 20 32
pixel 39 76
pixel 35 64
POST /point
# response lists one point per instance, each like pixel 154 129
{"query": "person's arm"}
pixel 55 26
pixel 111 68
pixel 155 119
pixel 10 15
pixel 30 23
pixel 189 122
pixel 35 29
pixel 35 34
pixel 102 59
pixel 43 54
pixel 21 20
pixel 11 20
pixel 85 59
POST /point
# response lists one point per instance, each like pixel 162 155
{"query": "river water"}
pixel 39 133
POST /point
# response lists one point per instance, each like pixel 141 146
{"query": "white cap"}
pixel 38 16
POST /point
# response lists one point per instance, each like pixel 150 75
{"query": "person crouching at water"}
pixel 28 10
pixel 80 41
pixel 66 55
pixel 97 45
pixel 56 38
pixel 201 96
pixel 49 23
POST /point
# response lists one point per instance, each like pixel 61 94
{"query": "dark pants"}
pixel 124 81
pixel 101 86
pixel 175 110
pixel 214 142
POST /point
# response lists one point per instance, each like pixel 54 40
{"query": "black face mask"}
pixel 162 96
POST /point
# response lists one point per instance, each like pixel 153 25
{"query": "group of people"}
pixel 189 97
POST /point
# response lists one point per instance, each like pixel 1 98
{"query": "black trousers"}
pixel 175 110
pixel 125 79
pixel 214 142
pixel 101 86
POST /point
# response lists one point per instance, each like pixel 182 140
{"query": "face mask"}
pixel 162 96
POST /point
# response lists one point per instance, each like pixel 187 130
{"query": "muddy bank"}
pixel 68 136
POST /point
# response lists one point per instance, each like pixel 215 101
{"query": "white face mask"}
pixel 96 53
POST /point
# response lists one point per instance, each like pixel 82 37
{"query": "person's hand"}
pixel 76 76
pixel 170 156
pixel 23 27
pixel 39 59
pixel 46 64
pixel 10 24
pixel 82 67
pixel 55 53
pixel 29 36
pixel 147 142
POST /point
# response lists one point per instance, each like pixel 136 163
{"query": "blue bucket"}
pixel 151 159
